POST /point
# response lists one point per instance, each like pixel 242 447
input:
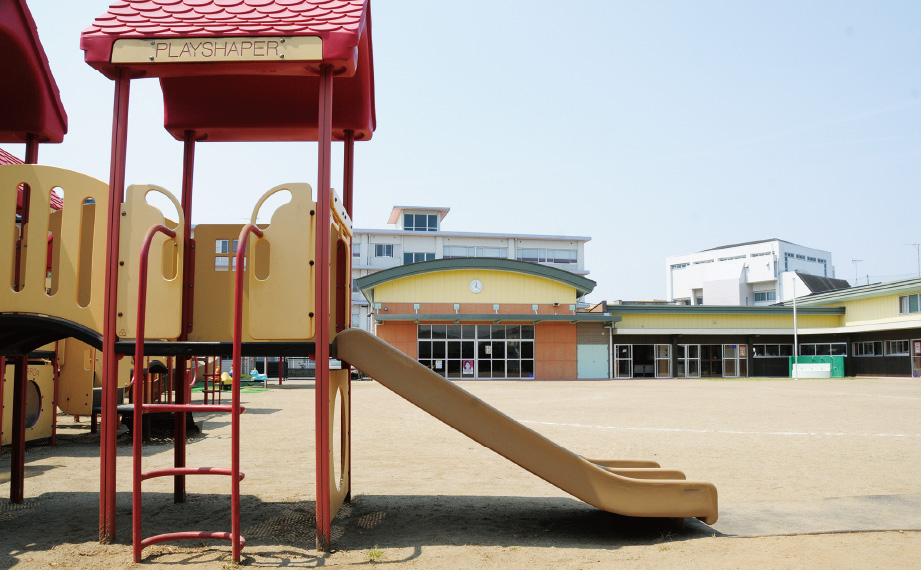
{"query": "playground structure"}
pixel 286 71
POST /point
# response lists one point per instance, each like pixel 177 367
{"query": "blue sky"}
pixel 657 128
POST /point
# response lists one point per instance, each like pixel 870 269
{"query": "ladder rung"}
pixel 168 471
pixel 189 535
pixel 155 408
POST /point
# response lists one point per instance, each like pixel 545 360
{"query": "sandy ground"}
pixel 800 466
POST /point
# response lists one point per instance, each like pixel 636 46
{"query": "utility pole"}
pixel 856 274
pixel 917 247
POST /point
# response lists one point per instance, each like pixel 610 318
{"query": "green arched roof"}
pixel 582 285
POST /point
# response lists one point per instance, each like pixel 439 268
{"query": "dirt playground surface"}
pixel 811 473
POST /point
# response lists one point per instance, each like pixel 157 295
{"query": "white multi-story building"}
pixel 750 273
pixel 417 235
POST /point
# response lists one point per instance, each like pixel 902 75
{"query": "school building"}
pixel 482 318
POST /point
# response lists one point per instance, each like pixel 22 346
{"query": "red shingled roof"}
pixel 248 100
pixel 338 22
pixel 29 99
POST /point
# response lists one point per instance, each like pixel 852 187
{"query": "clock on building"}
pixel 476 286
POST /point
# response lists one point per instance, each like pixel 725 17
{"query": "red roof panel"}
pixel 29 99
pixel 273 17
pixel 254 101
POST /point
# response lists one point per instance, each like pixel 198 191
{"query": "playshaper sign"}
pixel 204 50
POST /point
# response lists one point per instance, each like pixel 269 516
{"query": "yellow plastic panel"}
pixel 339 439
pixel 340 236
pixel 212 307
pixel 79 265
pixel 164 273
pixel 77 378
pixel 281 296
pixel 42 376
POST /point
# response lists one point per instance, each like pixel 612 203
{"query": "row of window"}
pixel 477 351
pixel 416 256
pixel 866 348
pixel 535 255
pixel 547 255
pixel 765 296
pixel 451 251
pixel 420 222
pixel 875 348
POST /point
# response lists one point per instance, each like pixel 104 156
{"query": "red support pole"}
pixel 18 452
pixel 139 397
pixel 31 149
pixel 183 396
pixel 348 185
pixel 2 389
pixel 321 338
pixel 348 171
pixel 54 399
pixel 107 451
pixel 237 365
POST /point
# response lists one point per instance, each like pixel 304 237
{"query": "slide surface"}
pixel 630 488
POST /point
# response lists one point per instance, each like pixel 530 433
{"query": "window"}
pixel 420 222
pixel 731 258
pixel 416 256
pixel 675 266
pixel 704 261
pixel 224 251
pixel 799 256
pixel 910 303
pixel 383 250
pixel 541 255
pixel 772 350
pixel 765 296
pixel 452 251
pixel 477 351
pixel 356 250
pixel 759 254
pixel 811 259
pixel 897 347
pixel 869 348
pixel 823 349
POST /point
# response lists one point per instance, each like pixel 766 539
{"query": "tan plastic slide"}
pixel 634 488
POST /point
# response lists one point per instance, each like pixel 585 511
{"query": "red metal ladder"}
pixel 140 408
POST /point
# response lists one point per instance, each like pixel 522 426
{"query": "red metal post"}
pixel 2 389
pixel 348 185
pixel 139 399
pixel 18 449
pixel 348 172
pixel 321 338
pixel 31 158
pixel 237 365
pixel 107 451
pixel 54 399
pixel 31 149
pixel 183 395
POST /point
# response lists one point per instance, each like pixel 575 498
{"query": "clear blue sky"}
pixel 656 128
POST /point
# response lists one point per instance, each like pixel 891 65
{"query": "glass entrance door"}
pixel 916 358
pixel 688 361
pixel 663 361
pixel 623 361
pixel 735 360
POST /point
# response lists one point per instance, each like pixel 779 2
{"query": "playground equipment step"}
pixel 170 471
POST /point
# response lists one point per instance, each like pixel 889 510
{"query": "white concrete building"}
pixel 417 235
pixel 750 273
